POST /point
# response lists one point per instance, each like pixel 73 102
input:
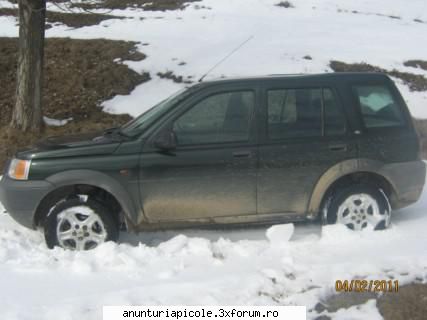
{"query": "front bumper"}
pixel 21 198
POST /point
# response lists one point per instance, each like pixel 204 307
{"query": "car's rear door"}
pixel 212 172
pixel 303 134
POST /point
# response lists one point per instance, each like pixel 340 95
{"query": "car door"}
pixel 303 135
pixel 212 171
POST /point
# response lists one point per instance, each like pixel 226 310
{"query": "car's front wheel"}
pixel 359 207
pixel 79 225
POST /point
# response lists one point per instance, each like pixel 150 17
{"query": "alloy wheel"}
pixel 360 211
pixel 80 228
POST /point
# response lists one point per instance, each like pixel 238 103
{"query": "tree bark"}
pixel 27 114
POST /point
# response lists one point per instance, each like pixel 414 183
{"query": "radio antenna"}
pixel 226 57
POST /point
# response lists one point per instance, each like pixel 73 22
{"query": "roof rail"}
pixel 286 74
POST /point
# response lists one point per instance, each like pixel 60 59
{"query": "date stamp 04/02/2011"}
pixel 367 286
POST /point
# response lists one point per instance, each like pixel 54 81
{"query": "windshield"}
pixel 139 124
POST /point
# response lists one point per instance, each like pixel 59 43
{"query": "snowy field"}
pixel 281 265
pixel 202 34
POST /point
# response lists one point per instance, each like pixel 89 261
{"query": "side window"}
pixel 220 118
pixel 378 106
pixel 334 119
pixel 294 113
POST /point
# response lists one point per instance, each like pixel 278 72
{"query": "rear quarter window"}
pixel 294 113
pixel 378 107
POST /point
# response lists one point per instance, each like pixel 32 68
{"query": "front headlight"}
pixel 19 169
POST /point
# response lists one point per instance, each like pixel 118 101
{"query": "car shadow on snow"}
pixel 252 233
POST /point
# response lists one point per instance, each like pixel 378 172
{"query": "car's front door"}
pixel 212 171
pixel 304 134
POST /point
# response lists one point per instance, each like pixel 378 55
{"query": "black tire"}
pixel 104 224
pixel 378 218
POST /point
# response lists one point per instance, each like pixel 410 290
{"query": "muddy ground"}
pixel 70 19
pixel 79 76
pixel 409 303
pixel 148 5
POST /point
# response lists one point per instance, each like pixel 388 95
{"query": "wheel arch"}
pixel 84 181
pixel 350 172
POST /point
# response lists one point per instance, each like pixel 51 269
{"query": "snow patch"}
pixel 143 97
pixel 279 234
pixel 56 122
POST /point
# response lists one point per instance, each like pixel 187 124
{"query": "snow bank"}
pixel 283 264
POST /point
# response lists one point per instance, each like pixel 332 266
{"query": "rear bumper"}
pixel 408 180
pixel 21 198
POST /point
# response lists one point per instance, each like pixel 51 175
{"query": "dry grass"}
pixel 422 64
pixel 171 76
pixel 414 81
pixel 285 4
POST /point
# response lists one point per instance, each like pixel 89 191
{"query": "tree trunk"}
pixel 27 114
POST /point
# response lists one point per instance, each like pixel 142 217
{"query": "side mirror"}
pixel 166 141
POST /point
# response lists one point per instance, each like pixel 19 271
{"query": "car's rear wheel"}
pixel 76 224
pixel 359 207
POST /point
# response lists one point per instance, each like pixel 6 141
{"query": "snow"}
pixel 281 265
pixel 56 122
pixel 159 90
pixel 365 311
pixel 285 264
pixel 280 233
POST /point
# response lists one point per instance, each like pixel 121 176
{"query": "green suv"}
pixel 339 147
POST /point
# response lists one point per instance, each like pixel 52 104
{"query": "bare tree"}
pixel 27 114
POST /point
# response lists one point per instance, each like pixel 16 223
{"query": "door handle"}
pixel 338 147
pixel 242 154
